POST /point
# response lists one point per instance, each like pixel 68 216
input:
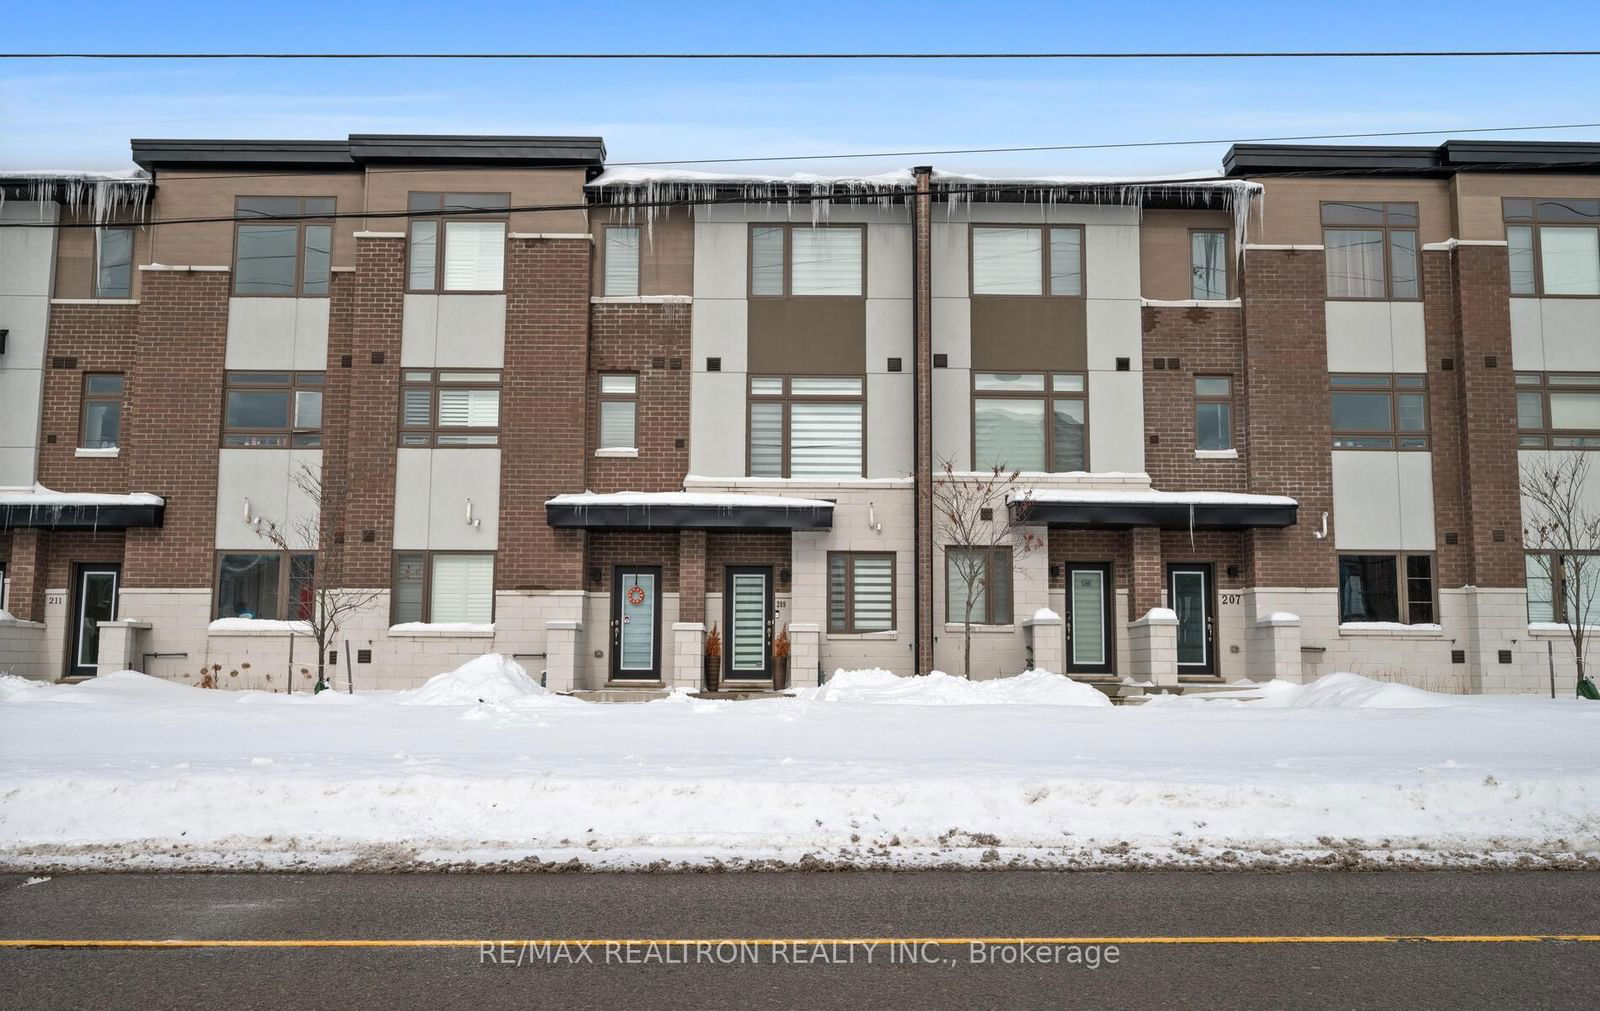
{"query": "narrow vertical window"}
pixel 113 262
pixel 619 404
pixel 766 260
pixel 1208 265
pixel 1213 413
pixel 621 261
pixel 102 411
pixel 1066 261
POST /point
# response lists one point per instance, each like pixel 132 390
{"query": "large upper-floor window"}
pixel 449 407
pixel 860 592
pixel 1032 421
pixel 1394 587
pixel 1371 250
pixel 1554 246
pixel 807 426
pixel 113 262
pixel 807 260
pixel 273 410
pixel 1208 264
pixel 291 255
pixel 101 411
pixel 276 585
pixel 460 243
pixel 620 256
pixel 1027 260
pixel 1376 411
pixel 443 587
pixel 1558 410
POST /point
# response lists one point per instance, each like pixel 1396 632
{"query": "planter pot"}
pixel 780 673
pixel 713 673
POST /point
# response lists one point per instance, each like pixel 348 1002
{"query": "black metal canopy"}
pixel 1168 515
pixel 80 516
pixel 687 515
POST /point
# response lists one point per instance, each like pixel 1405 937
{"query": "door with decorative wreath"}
pixel 636 623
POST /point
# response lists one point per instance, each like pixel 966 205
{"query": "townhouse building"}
pixel 1267 423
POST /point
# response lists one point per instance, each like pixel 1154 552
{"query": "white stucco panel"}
pixel 720 328
pixel 278 333
pixel 1111 261
pixel 889 261
pixel 952 417
pixel 258 487
pixel 1527 334
pixel 1116 330
pixel 1367 503
pixel 951 321
pixel 28 318
pixel 453 331
pixel 717 422
pixel 1415 473
pixel 889 333
pixel 464 499
pixel 1408 337
pixel 413 482
pixel 948 261
pixel 1571 329
pixel 1116 421
pixel 889 428
pixel 1360 337
pixel 721 258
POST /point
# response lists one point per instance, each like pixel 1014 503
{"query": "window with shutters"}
pixel 449 407
pixel 458 243
pixel 620 261
pixel 442 587
pixel 983 576
pixel 807 426
pixel 619 410
pixel 290 254
pixel 1030 421
pixel 860 592
pixel 807 261
pixel 272 410
pixel 1027 260
pixel 1553 246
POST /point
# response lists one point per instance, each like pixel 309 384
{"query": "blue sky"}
pixel 80 114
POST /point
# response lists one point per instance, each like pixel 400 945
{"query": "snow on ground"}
pixel 481 767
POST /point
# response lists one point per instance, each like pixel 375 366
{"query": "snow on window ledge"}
pixel 956 626
pixel 863 636
pixel 618 453
pixel 258 626
pixel 1391 630
pixel 100 454
pixel 1216 454
pixel 1557 630
pixel 442 629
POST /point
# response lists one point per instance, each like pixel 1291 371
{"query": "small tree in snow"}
pixel 970 520
pixel 1558 522
pixel 329 602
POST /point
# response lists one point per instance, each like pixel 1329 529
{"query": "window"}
pixel 1208 264
pixel 1371 588
pixel 982 575
pixel 102 410
pixel 1555 581
pixel 619 410
pixel 806 260
pixel 443 588
pixel 273 410
pixel 1558 410
pixel 807 426
pixel 445 407
pixel 278 585
pixel 1017 260
pixel 1213 412
pixel 286 256
pixel 472 253
pixel 113 259
pixel 621 261
pixel 860 592
pixel 1554 246
pixel 1020 424
pixel 1371 250
pixel 1380 412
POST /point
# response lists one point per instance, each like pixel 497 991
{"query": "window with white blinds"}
pixel 806 260
pixel 621 261
pixel 807 427
pixel 463 253
pixel 766 259
pixel 463 589
pixel 449 408
pixel 1022 260
pixel 474 255
pixel 860 592
pixel 619 409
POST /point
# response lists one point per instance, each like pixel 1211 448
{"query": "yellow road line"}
pixel 454 942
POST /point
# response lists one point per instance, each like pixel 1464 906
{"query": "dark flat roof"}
pixel 1165 515
pixel 360 149
pixel 1443 160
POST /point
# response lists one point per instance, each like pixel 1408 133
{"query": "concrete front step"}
pixel 1126 693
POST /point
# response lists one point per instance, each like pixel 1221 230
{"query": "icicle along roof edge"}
pixel 104 195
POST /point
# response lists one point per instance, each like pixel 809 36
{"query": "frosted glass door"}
pixel 1190 595
pixel 747 624
pixel 1088 591
pixel 636 633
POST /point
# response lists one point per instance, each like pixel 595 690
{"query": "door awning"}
pixel 683 510
pixel 40 508
pixel 1169 510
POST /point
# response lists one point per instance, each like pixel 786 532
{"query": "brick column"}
pixel 922 400
pixel 360 443
pixel 25 573
pixel 691 575
pixel 1147 575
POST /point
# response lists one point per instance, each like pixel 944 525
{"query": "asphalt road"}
pixel 1269 971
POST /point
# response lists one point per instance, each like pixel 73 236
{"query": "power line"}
pixel 1218 55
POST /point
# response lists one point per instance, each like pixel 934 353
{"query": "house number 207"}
pixel 1232 598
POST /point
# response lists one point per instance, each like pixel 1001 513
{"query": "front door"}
pixel 94 599
pixel 1090 646
pixel 1189 591
pixel 636 623
pixel 747 615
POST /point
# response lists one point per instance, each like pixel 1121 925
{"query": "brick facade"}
pixel 1202 341
pixel 85 339
pixel 651 341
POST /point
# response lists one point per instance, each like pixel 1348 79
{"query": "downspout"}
pixel 921 421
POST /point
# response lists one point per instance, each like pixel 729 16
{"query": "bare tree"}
pixel 1559 523
pixel 330 602
pixel 970 519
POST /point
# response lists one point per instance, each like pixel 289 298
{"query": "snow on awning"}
pixel 40 508
pixel 103 195
pixel 1169 510
pixel 684 510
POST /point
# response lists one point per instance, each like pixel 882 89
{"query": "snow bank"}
pixel 880 687
pixel 493 679
pixel 1331 691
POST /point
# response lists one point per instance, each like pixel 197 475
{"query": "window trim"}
pixel 1545 433
pixel 1227 268
pixel 433 429
pixel 1402 585
pixel 1386 383
pixel 428 555
pixel 441 217
pixel 2 584
pixel 996 553
pixel 1558 580
pixel 850 558
pixel 1049 395
pixel 300 224
pixel 788 261
pixel 285 571
pixel 1209 398
pixel 788 398
pixel 602 398
pixel 1044 259
pixel 85 398
pixel 1388 246
pixel 291 432
pixel 1533 224
pixel 99 234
